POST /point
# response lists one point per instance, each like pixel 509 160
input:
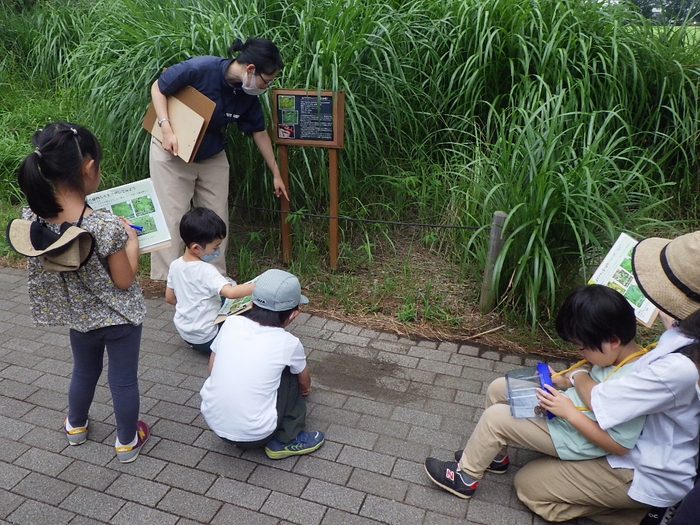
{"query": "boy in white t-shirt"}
pixel 258 374
pixel 195 286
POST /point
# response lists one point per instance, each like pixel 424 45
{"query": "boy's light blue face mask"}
pixel 209 257
pixel 697 390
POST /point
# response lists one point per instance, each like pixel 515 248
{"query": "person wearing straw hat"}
pixel 659 471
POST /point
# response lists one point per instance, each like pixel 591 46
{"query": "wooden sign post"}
pixel 309 118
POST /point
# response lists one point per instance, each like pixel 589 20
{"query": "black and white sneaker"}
pixel 445 474
pixel 497 466
pixel 658 516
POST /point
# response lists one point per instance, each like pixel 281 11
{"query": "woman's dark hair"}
pixel 268 317
pixel 258 51
pixel 60 150
pixel 201 226
pixel 594 314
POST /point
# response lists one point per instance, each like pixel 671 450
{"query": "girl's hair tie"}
pixel 75 131
pixel 38 152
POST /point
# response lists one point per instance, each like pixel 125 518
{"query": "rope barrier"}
pixel 355 219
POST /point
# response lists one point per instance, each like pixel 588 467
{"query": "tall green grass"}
pixel 578 119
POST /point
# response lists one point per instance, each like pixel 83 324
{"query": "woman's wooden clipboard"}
pixel 189 113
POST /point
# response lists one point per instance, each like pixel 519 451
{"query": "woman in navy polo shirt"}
pixel 233 84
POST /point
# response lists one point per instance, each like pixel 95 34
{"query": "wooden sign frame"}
pixel 304 117
pixel 318 120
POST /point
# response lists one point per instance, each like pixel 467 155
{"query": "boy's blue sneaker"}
pixel 305 443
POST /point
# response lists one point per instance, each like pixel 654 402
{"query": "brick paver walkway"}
pixel 384 402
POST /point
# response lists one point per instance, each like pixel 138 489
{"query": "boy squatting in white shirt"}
pixel 195 286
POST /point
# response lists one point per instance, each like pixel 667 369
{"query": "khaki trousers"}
pixel 497 428
pixel 560 490
pixel 180 186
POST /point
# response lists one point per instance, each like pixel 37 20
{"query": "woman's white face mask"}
pixel 697 390
pixel 250 86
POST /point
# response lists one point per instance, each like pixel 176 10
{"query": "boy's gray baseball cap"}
pixel 277 290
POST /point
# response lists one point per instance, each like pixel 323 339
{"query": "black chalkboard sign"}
pixel 309 118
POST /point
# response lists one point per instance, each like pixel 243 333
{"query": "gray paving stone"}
pixel 232 515
pixel 490 514
pixel 137 490
pixel 352 436
pixel 36 513
pixel 11 475
pixel 180 432
pixel 189 479
pixel 278 480
pixel 334 496
pixel 323 469
pixel 11 450
pixel 294 509
pixel 43 488
pixel 13 429
pixel 49 399
pixel 382 486
pixel 338 517
pixel 400 448
pixel 188 505
pixel 51 440
pixel 146 467
pixel 53 382
pixel 174 412
pixel 416 417
pixel 55 366
pixel 335 415
pixel 397 429
pixel 92 504
pixel 88 475
pixel 177 452
pixel 238 493
pixel 8 503
pixel 435 499
pixel 372 461
pixel 10 388
pixel 14 408
pixel 42 461
pixel 133 513
pixel 392 512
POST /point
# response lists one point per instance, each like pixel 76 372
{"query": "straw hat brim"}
pixel 653 282
pixel 68 252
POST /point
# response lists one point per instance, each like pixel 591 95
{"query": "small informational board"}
pixel 309 118
pixel 616 272
pixel 137 202
pixel 314 118
pixel 189 113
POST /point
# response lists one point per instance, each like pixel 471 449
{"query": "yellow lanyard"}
pixel 622 363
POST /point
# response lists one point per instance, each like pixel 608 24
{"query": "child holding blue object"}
pixel 602 324
pixel 96 295
pixel 194 285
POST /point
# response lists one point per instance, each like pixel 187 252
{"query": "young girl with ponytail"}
pixel 100 302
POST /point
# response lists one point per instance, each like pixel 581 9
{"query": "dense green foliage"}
pixel 579 119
